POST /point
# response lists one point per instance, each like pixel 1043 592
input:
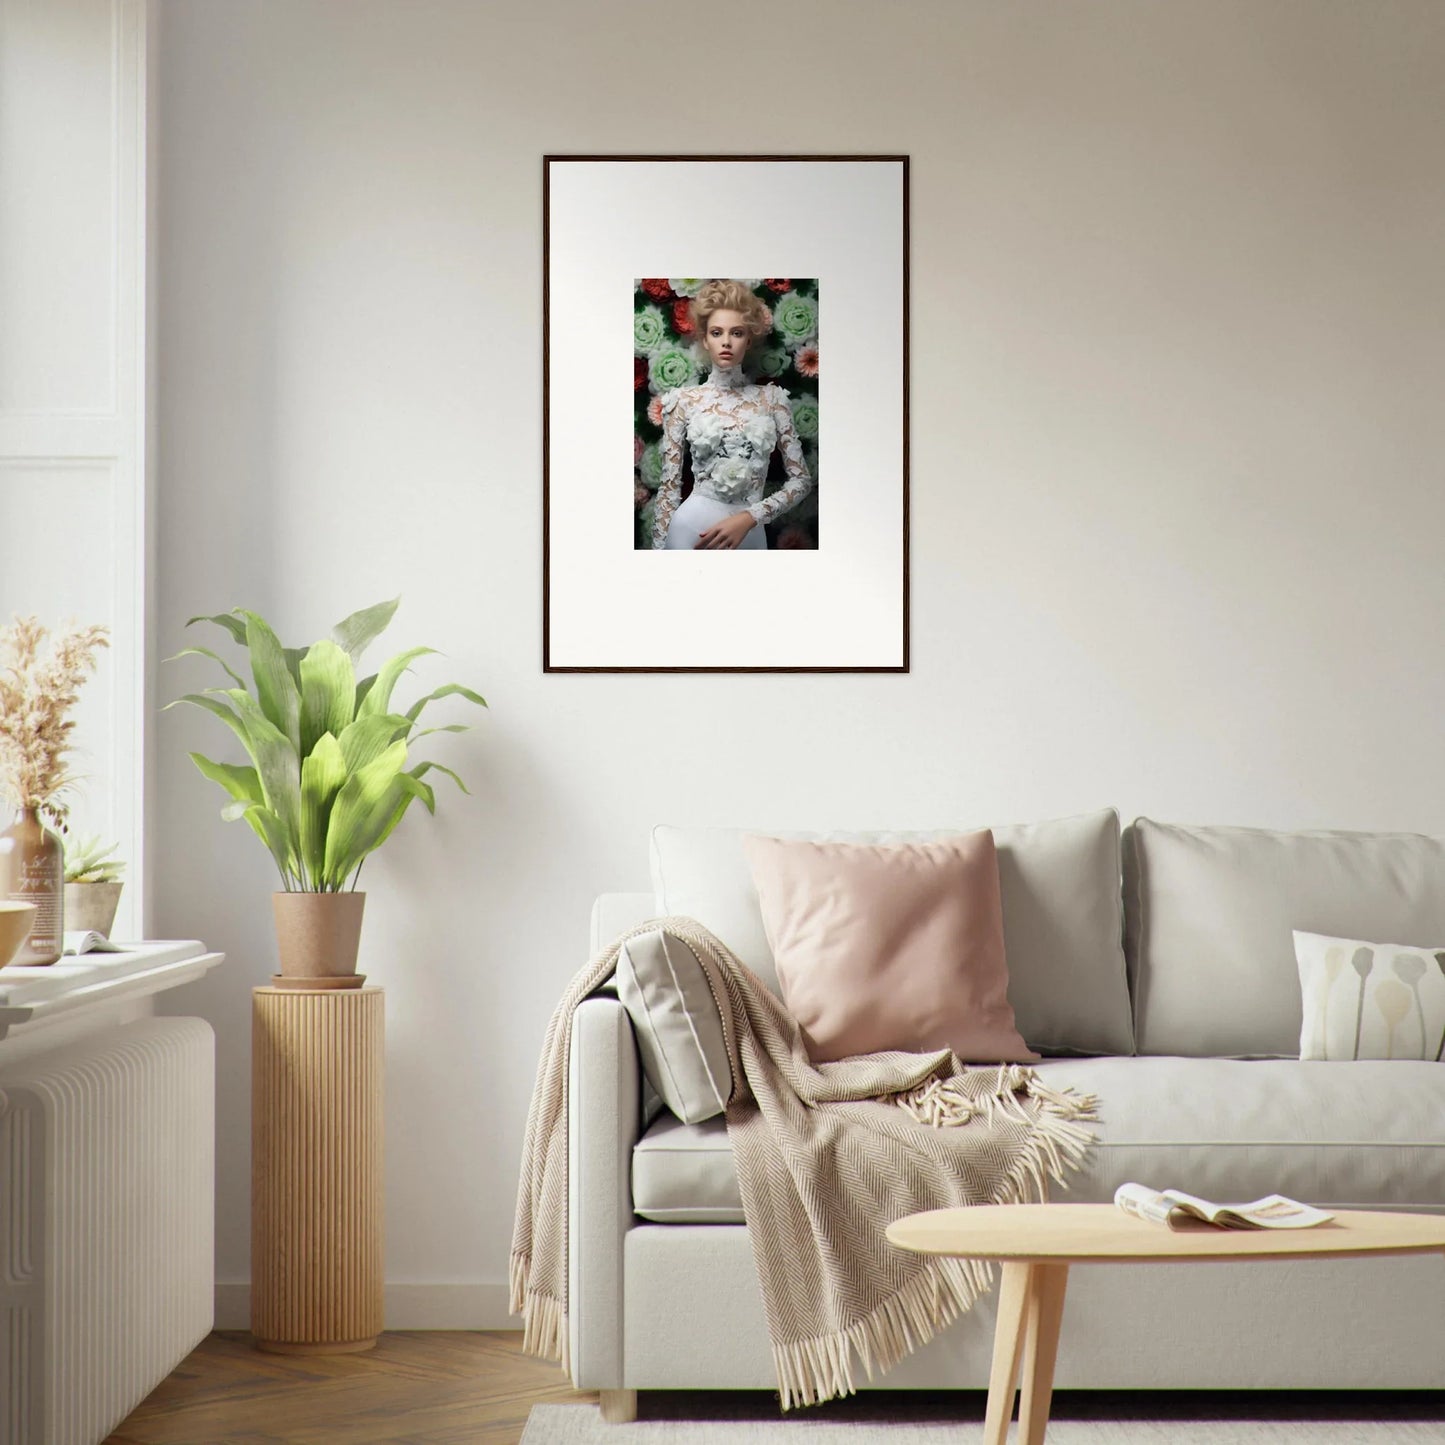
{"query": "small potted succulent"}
pixel 92 885
pixel 329 772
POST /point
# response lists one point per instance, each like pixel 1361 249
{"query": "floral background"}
pixel 663 357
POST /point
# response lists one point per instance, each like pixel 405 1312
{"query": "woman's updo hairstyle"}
pixel 728 295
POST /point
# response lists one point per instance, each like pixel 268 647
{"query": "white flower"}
pixel 705 431
pixel 731 478
pixel 687 285
pixel 762 434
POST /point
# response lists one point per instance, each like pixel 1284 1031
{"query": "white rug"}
pixel 1078 1418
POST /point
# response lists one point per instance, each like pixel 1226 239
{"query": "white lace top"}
pixel 732 425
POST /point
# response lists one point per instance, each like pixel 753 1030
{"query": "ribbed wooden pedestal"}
pixel 316 1169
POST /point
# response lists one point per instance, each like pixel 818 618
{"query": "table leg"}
pixel 1013 1299
pixel 1045 1310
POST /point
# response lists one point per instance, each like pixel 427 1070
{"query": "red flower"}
pixel 657 287
pixel 681 318
pixel 778 283
pixel 807 361
pixel 639 372
pixel 795 539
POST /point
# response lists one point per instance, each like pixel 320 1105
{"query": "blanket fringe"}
pixel 821 1368
pixel 544 1320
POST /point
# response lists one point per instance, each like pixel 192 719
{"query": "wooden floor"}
pixel 433 1387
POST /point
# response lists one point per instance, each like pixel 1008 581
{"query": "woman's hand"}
pixel 727 533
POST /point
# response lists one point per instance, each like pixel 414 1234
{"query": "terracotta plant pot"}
pixel 91 906
pixel 16 921
pixel 318 934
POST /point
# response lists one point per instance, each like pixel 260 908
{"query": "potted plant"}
pixel 92 885
pixel 39 688
pixel 329 775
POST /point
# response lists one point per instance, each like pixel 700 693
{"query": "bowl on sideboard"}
pixel 16 921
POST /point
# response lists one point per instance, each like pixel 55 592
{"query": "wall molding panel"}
pixel 74 374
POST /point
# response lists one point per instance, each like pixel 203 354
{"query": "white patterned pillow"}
pixel 1370 1000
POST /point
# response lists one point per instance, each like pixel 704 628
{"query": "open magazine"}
pixel 1183 1211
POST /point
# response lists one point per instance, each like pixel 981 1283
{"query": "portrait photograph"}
pixel 725 390
pixel 728 414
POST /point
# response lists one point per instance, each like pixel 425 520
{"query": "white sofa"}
pixel 1158 975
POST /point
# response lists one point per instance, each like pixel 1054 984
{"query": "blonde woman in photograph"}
pixel 732 424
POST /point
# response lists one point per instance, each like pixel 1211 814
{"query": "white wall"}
pixel 1178 335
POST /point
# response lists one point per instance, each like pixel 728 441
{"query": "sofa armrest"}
pixel 603 1122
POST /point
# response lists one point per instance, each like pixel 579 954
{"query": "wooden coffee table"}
pixel 1036 1244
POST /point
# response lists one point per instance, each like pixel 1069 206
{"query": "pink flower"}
pixel 640 494
pixel 637 447
pixel 807 361
pixel 654 412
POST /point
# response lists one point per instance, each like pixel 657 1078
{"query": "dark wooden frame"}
pixel 547 664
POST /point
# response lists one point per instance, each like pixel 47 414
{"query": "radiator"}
pixel 107 1232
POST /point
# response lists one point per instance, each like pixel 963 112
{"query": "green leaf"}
pixel 275 687
pixel 404 790
pixel 378 698
pixel 362 688
pixel 323 773
pixel 357 632
pixel 214 656
pixel 277 763
pixel 227 715
pixel 243 784
pixel 452 689
pixel 293 656
pixel 369 737
pixel 229 621
pixel 328 693
pixel 270 830
pixel 422 769
pixel 361 811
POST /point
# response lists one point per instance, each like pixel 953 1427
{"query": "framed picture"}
pixel 766 416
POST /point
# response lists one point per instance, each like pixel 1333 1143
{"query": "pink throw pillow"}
pixel 884 947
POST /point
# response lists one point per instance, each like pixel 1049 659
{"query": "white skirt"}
pixel 697 514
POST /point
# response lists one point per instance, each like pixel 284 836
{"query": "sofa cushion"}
pixel 1212 911
pixel 1059 882
pixel 1350 1136
pixel 889 947
pixel 680 1038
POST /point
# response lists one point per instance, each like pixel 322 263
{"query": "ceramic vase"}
pixel 32 870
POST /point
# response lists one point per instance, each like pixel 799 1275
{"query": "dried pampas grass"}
pixel 38 688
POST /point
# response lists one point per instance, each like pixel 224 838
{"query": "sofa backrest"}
pixel 1210 915
pixel 1063 921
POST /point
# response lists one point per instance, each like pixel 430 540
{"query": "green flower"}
pixel 649 330
pixel 651 466
pixel 644 522
pixel 773 361
pixel 805 417
pixel 671 365
pixel 795 319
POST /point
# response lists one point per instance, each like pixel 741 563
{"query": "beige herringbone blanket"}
pixel 827 1156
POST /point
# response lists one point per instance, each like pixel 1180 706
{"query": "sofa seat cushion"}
pixel 1356 1135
